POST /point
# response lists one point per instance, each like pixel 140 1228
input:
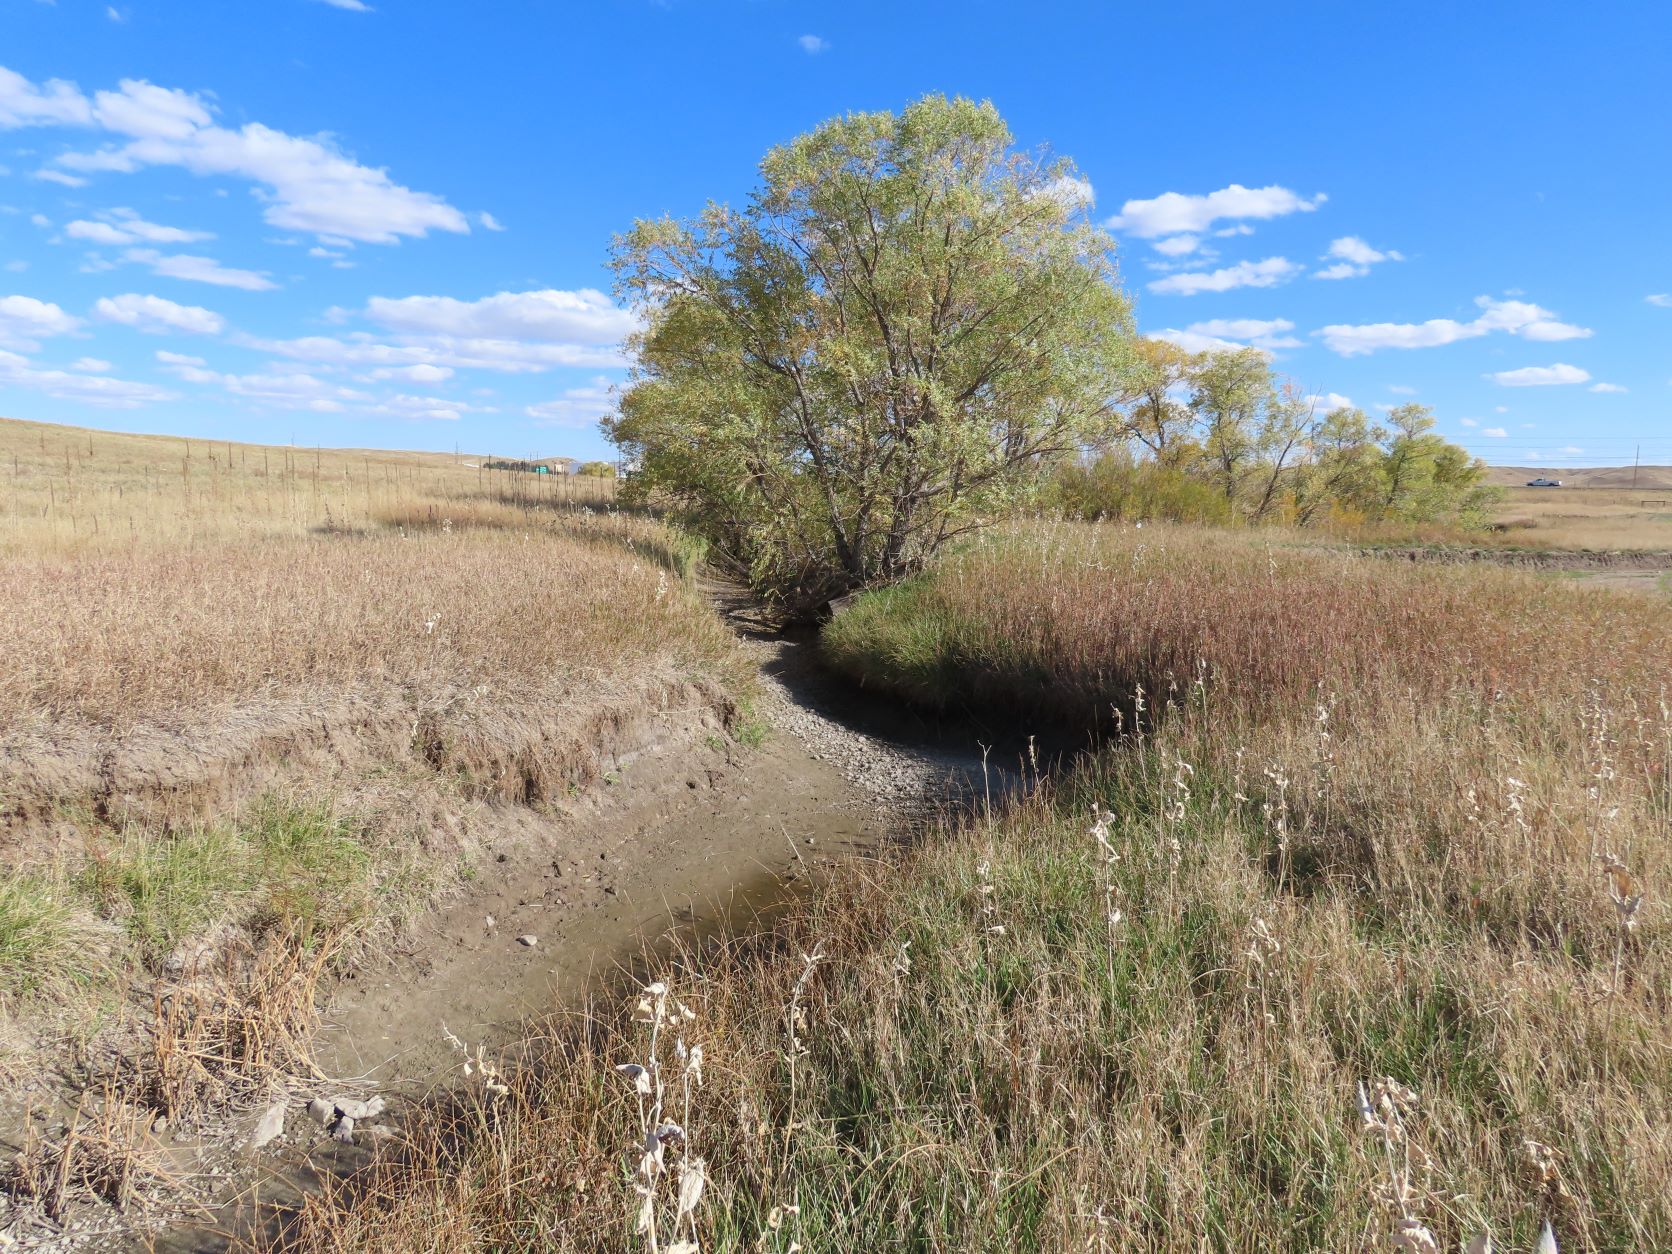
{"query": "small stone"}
pixel 269 1127
pixel 528 940
pixel 321 1111
pixel 344 1131
pixel 381 1132
pixel 350 1108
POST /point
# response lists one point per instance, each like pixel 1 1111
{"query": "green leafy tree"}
pixel 907 321
pixel 1230 392
pixel 597 470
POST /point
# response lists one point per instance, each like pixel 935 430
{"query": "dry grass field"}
pixel 70 490
pixel 249 693
pixel 1597 509
pixel 1353 940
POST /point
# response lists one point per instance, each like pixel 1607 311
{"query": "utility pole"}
pixel 1634 460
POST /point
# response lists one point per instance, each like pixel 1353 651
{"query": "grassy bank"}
pixel 258 722
pixel 1342 941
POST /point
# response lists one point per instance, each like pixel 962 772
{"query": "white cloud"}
pixel 156 316
pixel 60 178
pixel 193 269
pixel 1352 248
pixel 508 356
pixel 1660 298
pixel 124 226
pixel 1512 316
pixel 1340 270
pixel 421 373
pixel 1540 376
pixel 53 103
pixel 178 359
pixel 307 184
pixel 1231 334
pixel 15 267
pixel 1497 433
pixel 1267 273
pixel 114 14
pixel 1399 389
pixel 25 321
pixel 1468 422
pixel 1178 245
pixel 86 389
pixel 585 316
pixel 1353 258
pixel 353 6
pixel 91 365
pixel 295 390
pixel 812 45
pixel 1173 213
pixel 489 222
pixel 1329 402
pixel 1607 388
pixel 1071 190
pixel 576 407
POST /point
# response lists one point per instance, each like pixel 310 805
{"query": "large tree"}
pixel 878 351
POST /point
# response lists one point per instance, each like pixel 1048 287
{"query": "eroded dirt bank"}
pixel 680 826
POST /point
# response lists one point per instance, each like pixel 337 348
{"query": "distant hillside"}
pixel 1658 477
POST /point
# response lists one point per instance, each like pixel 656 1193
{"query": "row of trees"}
pixel 1218 436
pixel 909 329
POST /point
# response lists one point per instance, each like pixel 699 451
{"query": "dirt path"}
pixel 684 839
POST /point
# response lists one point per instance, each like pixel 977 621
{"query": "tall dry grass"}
pixel 1353 941
pixel 67 490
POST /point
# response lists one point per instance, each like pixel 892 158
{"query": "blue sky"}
pixel 385 222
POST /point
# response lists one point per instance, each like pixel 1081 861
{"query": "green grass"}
pixel 38 936
pixel 300 871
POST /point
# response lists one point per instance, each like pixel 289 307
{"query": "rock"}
pixel 528 940
pixel 321 1111
pixel 350 1108
pixel 344 1131
pixel 381 1132
pixel 269 1127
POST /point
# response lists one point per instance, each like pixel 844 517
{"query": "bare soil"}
pixel 688 832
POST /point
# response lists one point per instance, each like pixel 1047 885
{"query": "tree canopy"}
pixel 907 320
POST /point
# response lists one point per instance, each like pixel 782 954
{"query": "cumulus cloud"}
pixel 1072 191
pixel 194 269
pixel 1352 258
pixel 1174 213
pixel 125 227
pixel 1329 402
pixel 1178 245
pixel 25 322
pixel 1540 376
pixel 1267 273
pixel 95 389
pixel 812 45
pixel 1515 317
pixel 576 407
pixel 156 316
pixel 52 103
pixel 1230 334
pixel 585 316
pixel 1607 388
pixel 307 184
